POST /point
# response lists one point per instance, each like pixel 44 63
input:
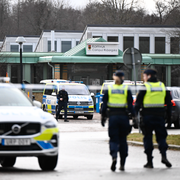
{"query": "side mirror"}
pixel 37 104
pixel 92 94
pixel 53 94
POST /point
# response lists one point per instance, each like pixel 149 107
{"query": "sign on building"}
pixel 102 48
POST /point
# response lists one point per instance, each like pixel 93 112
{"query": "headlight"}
pixel 50 124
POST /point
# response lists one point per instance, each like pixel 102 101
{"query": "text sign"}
pixel 102 48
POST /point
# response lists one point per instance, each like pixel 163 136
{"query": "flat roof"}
pixel 138 26
pixel 70 31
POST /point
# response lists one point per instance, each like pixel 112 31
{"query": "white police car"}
pixel 26 130
pixel 80 100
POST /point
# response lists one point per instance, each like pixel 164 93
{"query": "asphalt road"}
pixel 84 155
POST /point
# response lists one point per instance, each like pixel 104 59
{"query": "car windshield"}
pixel 10 96
pixel 75 89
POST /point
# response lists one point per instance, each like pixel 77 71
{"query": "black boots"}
pixel 113 165
pixel 166 162
pixel 122 163
pixel 65 120
pixel 149 163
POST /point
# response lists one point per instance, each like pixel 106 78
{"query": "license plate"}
pixel 16 142
pixel 78 112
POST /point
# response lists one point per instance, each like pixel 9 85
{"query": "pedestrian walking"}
pixel 118 101
pixel 62 98
pixel 152 100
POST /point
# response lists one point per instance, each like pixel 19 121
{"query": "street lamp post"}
pixel 20 40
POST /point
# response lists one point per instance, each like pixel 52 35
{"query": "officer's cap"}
pixel 150 72
pixel 118 73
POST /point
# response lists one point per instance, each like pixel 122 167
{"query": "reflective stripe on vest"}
pixel 155 95
pixel 117 96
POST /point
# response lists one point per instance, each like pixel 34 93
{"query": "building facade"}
pixel 66 51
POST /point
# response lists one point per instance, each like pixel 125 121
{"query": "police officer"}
pixel 118 99
pixel 62 97
pixel 152 100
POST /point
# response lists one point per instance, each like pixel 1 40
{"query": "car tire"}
pixel 44 107
pixel 47 163
pixel 90 117
pixel 8 161
pixel 177 123
pixel 75 117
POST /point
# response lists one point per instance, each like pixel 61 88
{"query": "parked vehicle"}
pixel 25 130
pixel 80 100
pixel 175 118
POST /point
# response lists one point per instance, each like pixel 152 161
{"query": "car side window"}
pixel 48 90
pixel 176 94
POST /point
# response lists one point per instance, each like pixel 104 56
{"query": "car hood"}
pixel 30 113
pixel 80 98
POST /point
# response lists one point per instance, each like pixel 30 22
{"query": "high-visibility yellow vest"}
pixel 155 95
pixel 117 96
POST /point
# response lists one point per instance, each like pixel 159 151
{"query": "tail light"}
pixel 133 103
pixel 173 103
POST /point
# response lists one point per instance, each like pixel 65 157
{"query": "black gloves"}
pixel 103 120
pixel 135 122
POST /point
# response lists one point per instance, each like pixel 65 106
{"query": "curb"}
pixel 136 143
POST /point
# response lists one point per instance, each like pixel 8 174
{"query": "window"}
pixel 65 46
pixel 175 75
pixel 128 42
pixel 144 44
pixel 97 36
pixel 15 73
pixel 112 39
pixel 174 45
pixel 3 70
pixel 77 42
pixel 49 46
pixel 49 89
pixel 160 45
pixel 36 73
pixel 14 48
pixel 27 48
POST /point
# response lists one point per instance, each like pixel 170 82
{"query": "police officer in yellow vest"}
pixel 152 100
pixel 118 100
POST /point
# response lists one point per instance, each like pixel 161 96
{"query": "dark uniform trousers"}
pixel 118 130
pixel 62 105
pixel 157 124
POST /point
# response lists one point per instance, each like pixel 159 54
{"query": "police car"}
pixel 26 130
pixel 131 85
pixel 80 100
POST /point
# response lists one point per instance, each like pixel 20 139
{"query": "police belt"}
pixel 114 113
pixel 152 113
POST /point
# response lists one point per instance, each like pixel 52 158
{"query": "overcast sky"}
pixel 147 4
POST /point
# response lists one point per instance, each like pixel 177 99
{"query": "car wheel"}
pixel 8 162
pixel 177 123
pixel 75 116
pixel 90 117
pixel 44 107
pixel 47 163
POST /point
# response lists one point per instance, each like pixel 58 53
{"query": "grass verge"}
pixel 171 139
